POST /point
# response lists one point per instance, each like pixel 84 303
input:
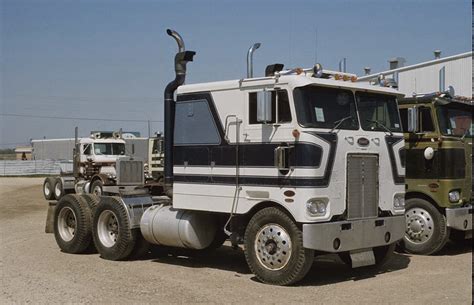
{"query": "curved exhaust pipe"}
pixel 250 59
pixel 178 38
pixel 180 60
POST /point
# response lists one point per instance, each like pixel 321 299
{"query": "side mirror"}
pixel 412 119
pixel 282 157
pixel 264 107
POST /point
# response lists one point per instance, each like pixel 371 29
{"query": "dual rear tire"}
pixel 53 188
pixel 82 222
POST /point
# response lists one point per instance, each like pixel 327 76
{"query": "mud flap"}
pixel 49 228
pixel 361 258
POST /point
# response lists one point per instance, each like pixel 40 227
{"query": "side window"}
pixel 404 118
pixel 194 124
pixel 284 113
pixel 87 149
pixel 426 121
pixel 283 109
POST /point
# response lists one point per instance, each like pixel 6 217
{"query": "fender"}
pixel 106 180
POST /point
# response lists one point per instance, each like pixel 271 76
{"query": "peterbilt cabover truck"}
pixel 94 160
pixel 438 157
pixel 295 163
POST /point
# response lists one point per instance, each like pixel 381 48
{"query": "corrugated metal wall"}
pixel 60 149
pixel 458 73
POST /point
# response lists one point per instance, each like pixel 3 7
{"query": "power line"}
pixel 76 118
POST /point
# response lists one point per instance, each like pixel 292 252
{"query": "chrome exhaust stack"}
pixel 250 59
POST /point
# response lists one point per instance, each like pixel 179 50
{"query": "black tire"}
pixel 58 189
pixel 426 232
pixel 382 255
pixel 48 188
pixel 92 201
pixel 268 234
pixel 72 224
pixel 97 188
pixel 113 237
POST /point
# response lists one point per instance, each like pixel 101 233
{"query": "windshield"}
pixel 455 120
pixel 323 107
pixel 109 148
pixel 378 112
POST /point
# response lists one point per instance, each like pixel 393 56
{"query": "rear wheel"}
pixel 113 236
pixel 426 231
pixel 58 189
pixel 48 188
pixel 72 224
pixel 274 248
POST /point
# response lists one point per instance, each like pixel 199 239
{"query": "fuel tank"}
pixel 163 225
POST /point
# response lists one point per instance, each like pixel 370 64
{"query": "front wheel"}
pixel 274 248
pixel 97 188
pixel 426 231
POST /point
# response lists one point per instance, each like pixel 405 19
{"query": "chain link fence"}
pixel 33 167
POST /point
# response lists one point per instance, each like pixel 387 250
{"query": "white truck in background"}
pixel 94 166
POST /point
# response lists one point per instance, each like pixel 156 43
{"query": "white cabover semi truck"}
pixel 293 164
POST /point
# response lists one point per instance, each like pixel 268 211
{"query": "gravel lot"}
pixel 34 270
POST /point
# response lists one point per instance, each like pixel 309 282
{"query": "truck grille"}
pixel 130 172
pixel 362 186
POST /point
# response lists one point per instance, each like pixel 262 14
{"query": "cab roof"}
pixel 291 80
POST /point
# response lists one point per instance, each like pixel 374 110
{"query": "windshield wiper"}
pixel 381 125
pixel 339 122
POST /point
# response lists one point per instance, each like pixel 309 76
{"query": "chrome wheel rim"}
pixel 67 224
pixel 57 190
pixel 108 228
pixel 46 189
pixel 97 190
pixel 419 226
pixel 273 247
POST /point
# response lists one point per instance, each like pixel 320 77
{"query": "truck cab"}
pixel 438 157
pixel 293 164
pixel 101 154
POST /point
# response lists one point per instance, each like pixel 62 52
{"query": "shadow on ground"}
pixel 327 269
pixel 455 248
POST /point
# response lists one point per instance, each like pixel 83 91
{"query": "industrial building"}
pixel 61 149
pixel 430 76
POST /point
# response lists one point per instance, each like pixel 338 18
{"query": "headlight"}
pixel 399 201
pixel 454 196
pixel 316 207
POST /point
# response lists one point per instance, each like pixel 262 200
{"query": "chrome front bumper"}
pixel 354 234
pixel 459 218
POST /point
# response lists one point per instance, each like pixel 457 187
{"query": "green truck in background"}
pixel 438 157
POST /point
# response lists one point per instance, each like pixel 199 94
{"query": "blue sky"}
pixel 111 60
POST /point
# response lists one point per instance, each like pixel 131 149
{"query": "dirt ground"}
pixel 34 270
